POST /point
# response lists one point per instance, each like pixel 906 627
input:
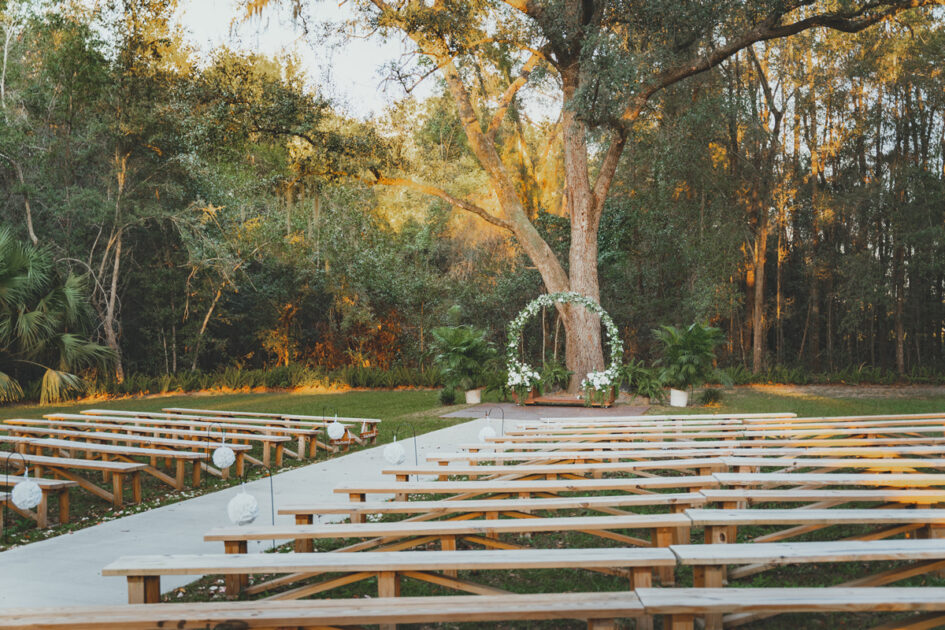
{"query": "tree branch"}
pixel 608 168
pixel 509 95
pixel 462 204
pixel 768 29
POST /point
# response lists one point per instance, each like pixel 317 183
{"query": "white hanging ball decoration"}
pixel 26 494
pixel 485 433
pixel 223 457
pixel 336 430
pixel 243 508
pixel 394 453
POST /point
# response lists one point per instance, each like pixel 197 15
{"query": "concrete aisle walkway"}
pixel 66 570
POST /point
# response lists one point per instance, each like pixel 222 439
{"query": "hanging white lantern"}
pixel 243 508
pixel 394 453
pixel 26 494
pixel 485 433
pixel 336 430
pixel 223 457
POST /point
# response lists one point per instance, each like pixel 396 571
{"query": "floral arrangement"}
pixel 523 377
pixel 598 385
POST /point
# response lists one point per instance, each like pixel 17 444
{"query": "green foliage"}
pixel 711 396
pixel 447 396
pixel 461 355
pixel 643 381
pixel 555 375
pixel 39 313
pixel 688 354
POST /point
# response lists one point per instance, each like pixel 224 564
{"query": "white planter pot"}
pixel 473 396
pixel 678 398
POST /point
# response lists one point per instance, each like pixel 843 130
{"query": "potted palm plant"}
pixel 688 357
pixel 461 354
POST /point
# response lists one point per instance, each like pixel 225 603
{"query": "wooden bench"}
pixel 446 458
pixel 267 441
pixel 305 432
pixel 721 525
pixel 890 480
pixel 67 448
pixel 368 425
pixel 437 567
pixel 735 498
pixel 710 562
pixel 55 491
pixel 490 508
pixel 525 488
pixel 402 535
pixel 679 606
pixel 130 439
pixel 690 444
pixel 705 466
pixel 267 437
pixel 64 466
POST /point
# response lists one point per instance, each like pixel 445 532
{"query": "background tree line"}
pixel 793 197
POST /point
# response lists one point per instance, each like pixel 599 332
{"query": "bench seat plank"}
pixel 447 528
pixel 486 505
pixel 799 599
pixel 472 560
pixel 519 486
pixel 807 552
pixel 906 480
pixel 703 517
pixel 800 496
pixel 326 612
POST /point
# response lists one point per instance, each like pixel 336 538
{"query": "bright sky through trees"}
pixel 351 71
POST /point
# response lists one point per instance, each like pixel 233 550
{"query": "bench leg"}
pixel 709 577
pixel 304 545
pixel 354 497
pixel 683 534
pixel 679 622
pixel 663 537
pixel 235 583
pixel 136 487
pixel 240 466
pixel 448 543
pixel 934 531
pixel 117 489
pixel 180 472
pixel 196 473
pixel 266 453
pixel 144 589
pixel 642 577
pixel 601 624
pixel 63 506
pixel 42 510
pixel 279 451
pixel 388 585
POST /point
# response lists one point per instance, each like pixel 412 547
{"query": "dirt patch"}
pixel 851 391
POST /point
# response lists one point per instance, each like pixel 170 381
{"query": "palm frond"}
pixel 10 390
pixel 58 385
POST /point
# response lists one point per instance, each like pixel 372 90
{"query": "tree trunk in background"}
pixel 899 275
pixel 111 317
pixel 758 310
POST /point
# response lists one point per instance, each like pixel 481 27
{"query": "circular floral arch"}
pixel 523 376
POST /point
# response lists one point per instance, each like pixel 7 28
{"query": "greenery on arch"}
pixel 522 377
